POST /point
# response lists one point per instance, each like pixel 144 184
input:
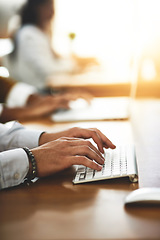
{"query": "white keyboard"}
pixel 120 162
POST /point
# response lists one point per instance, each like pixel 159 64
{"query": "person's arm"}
pixel 14 135
pixel 24 113
pixel 13 93
pixel 14 163
pixel 14 167
pixel 53 156
pixel 22 102
pixel 19 94
pixel 50 158
pixel 37 106
pixel 6 85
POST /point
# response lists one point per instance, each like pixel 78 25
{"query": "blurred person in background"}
pixel 21 101
pixel 33 58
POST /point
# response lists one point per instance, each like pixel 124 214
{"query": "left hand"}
pixel 98 137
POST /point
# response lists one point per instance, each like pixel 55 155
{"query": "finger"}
pixel 88 152
pixel 70 139
pixel 90 133
pixel 105 141
pixel 64 105
pixel 83 160
pixel 80 142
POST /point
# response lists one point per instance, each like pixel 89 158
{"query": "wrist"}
pixel 43 138
pixel 34 98
pixel 32 173
pixel 48 137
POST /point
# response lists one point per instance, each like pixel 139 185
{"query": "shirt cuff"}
pixel 14 166
pixel 22 137
pixel 19 94
pixel 15 135
pixel 27 138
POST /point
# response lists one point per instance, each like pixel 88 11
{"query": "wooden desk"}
pixel 100 85
pixel 54 208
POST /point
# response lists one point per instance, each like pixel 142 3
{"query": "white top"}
pixel 14 164
pixel 35 60
pixel 18 95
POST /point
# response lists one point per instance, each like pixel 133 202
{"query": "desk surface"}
pixel 54 208
pixel 101 85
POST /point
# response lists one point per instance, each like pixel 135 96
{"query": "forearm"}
pixel 17 113
pixel 6 85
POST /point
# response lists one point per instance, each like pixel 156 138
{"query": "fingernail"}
pixel 103 158
pixel 102 163
pixel 102 150
pixel 99 167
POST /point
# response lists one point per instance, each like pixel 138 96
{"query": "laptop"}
pixel 99 108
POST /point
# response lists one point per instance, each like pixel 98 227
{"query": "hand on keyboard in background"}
pixel 98 137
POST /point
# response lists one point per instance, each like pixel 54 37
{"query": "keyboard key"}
pixel 89 170
pixel 107 173
pixel 98 174
pixel 89 175
pixel 115 166
pixel 116 172
pixel 77 176
pixel 82 176
pixel 123 172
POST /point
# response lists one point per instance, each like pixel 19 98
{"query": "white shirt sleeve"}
pixel 19 94
pixel 14 166
pixel 14 163
pixel 14 135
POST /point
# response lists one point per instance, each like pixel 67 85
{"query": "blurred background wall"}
pixel 120 34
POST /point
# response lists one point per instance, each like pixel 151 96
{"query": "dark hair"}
pixel 29 13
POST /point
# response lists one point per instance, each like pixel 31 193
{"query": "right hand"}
pixel 85 133
pixel 39 106
pixel 45 105
pixel 64 152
